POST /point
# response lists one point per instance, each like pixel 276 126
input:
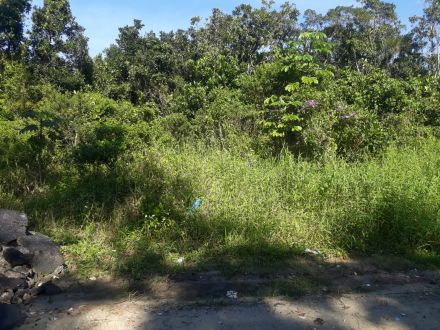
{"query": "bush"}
pixel 100 144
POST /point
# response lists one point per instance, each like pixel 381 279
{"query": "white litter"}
pixel 312 252
pixel 232 294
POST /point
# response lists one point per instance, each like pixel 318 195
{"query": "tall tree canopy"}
pixel 58 47
pixel 426 32
pixel 12 16
pixel 370 34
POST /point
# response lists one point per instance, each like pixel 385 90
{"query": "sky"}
pixel 102 18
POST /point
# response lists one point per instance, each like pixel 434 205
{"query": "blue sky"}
pixel 102 18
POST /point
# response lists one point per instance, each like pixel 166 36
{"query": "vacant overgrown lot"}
pixel 237 143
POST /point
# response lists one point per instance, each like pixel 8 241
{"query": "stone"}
pixel 21 292
pixel 12 225
pixel 30 281
pixel 7 283
pixel 27 298
pixel 16 300
pixel 13 274
pixel 46 254
pixel 22 250
pixel 14 257
pixel 4 266
pixel 36 291
pixel 6 297
pixel 10 316
pixel 22 270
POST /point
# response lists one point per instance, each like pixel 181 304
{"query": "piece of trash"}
pixel 70 310
pixel 403 314
pixel 232 294
pixel 181 260
pixel 312 252
pixel 160 313
pixel 302 316
pixel 197 204
pixel 93 278
pixel 319 321
pixel 368 285
pixel 338 266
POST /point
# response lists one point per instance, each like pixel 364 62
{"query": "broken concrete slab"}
pixel 14 257
pixel 10 283
pixel 47 256
pixel 13 224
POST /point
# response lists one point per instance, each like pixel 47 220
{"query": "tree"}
pixel 370 34
pixel 139 68
pixel 426 32
pixel 12 15
pixel 248 34
pixel 58 47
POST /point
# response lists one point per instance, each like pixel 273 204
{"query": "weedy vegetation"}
pixel 318 132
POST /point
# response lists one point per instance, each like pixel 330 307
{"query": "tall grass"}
pixel 137 218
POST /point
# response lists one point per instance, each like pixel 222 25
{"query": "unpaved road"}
pixel 398 307
pixel 355 294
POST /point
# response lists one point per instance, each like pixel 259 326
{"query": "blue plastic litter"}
pixel 197 204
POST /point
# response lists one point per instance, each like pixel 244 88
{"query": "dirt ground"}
pixel 344 297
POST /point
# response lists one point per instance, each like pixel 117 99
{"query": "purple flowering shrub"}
pixel 339 129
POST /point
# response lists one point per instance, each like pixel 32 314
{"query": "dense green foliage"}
pixel 316 131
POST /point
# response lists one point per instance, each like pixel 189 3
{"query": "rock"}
pixel 46 254
pixel 12 225
pixel 27 298
pixel 51 289
pixel 30 281
pixel 16 300
pixel 13 274
pixel 10 316
pixel 22 270
pixel 61 270
pixel 14 257
pixel 37 291
pixel 6 297
pixel 11 283
pixel 21 292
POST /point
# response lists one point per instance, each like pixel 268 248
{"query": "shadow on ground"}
pixel 106 304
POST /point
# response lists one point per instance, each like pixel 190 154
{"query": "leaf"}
pixel 304 58
pixel 309 80
pixel 268 124
pixel 290 117
pixel 275 133
pixel 270 100
pixel 292 87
